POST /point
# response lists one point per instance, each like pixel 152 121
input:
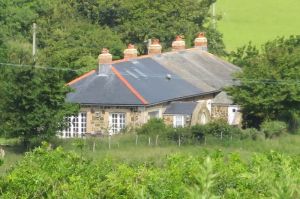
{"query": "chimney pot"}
pixel 201 41
pixel 130 52
pixel 105 57
pixel 154 47
pixel 104 60
pixel 178 43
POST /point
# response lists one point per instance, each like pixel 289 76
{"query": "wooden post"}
pixel 179 141
pixel 204 140
pixel 136 139
pixel 221 135
pixel 149 141
pixel 156 140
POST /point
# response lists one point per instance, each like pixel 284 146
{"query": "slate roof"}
pixel 222 98
pixel 149 78
pixel 102 90
pixel 200 68
pixel 152 80
pixel 180 108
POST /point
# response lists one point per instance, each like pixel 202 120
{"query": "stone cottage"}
pixel 183 87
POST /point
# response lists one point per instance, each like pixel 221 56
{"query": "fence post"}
pixel 136 139
pixel 204 140
pixel 109 140
pixel 156 140
pixel 149 141
pixel 179 141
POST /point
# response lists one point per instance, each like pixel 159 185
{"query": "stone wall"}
pixel 98 117
pixel 219 112
pixel 168 119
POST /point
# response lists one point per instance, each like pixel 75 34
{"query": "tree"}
pixel 34 107
pixel 269 86
pixel 139 20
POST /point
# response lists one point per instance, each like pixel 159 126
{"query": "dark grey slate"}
pixel 160 78
pixel 102 90
pixel 180 108
pixel 200 68
pixel 149 78
pixel 222 98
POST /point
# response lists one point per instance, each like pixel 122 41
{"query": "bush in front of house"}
pixel 221 129
pixel 252 133
pixel 199 131
pixel 273 128
pixel 183 133
pixel 154 126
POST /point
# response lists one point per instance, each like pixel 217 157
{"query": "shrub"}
pixel 199 131
pixel 45 173
pixel 184 133
pixel 273 128
pixel 153 127
pixel 252 133
pixel 220 128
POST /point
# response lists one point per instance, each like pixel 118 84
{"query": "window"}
pixel 203 118
pixel 153 114
pixel 116 122
pixel 76 126
pixel 178 121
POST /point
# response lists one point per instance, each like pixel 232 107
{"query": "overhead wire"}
pixel 233 80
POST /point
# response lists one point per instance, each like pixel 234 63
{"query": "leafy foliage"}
pixel 154 126
pixel 269 82
pixel 273 128
pixel 34 104
pixel 45 173
pixel 71 33
pixel 139 20
pixel 252 133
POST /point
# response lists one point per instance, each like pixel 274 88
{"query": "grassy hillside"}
pixel 257 20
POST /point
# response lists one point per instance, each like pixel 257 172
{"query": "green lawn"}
pixel 257 20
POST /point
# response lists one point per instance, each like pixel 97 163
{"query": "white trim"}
pixel 117 122
pixel 178 121
pixel 76 126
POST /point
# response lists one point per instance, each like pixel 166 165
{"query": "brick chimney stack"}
pixel 201 41
pixel 104 60
pixel 178 43
pixel 154 47
pixel 130 52
pixel 105 57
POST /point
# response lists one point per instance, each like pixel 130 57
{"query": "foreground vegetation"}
pixel 46 173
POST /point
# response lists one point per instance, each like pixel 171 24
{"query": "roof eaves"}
pixel 81 77
pixel 184 97
pixel 123 105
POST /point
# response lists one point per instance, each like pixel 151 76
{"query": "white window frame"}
pixel 153 114
pixel 76 126
pixel 117 122
pixel 178 121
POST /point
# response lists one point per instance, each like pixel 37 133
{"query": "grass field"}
pixel 124 149
pixel 257 20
